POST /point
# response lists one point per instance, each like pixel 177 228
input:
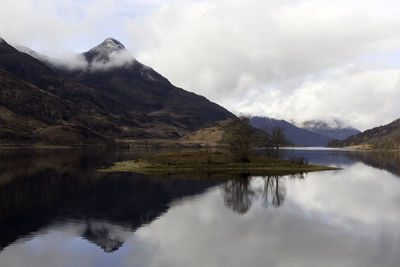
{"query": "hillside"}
pixel 382 137
pixel 209 136
pixel 29 113
pixel 106 95
pixel 294 134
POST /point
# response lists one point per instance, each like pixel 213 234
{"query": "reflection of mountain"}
pixel 107 236
pixel 70 190
pixel 389 161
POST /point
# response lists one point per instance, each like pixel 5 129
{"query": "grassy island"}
pixel 210 163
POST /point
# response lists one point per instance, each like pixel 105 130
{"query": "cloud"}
pixel 116 59
pixel 263 53
pixel 58 27
pixel 361 97
pixel 288 59
pixel 78 61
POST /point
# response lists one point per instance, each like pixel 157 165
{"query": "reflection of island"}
pixel 389 161
pixel 50 189
pixel 240 192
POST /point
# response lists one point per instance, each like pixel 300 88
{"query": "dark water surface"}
pixel 55 210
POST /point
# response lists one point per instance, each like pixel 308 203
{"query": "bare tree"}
pixel 238 137
pixel 271 139
pixel 278 138
pixel 264 141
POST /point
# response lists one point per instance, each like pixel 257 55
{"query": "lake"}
pixel 56 210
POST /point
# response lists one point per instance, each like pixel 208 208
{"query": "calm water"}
pixel 55 210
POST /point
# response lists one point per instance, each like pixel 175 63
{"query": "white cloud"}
pixel 360 97
pixel 78 61
pixel 266 57
pixel 265 53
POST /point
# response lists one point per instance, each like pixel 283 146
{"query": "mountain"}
pixel 294 134
pixel 382 137
pixel 101 95
pixel 338 131
pixel 32 53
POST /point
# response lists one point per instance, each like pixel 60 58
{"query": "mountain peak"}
pixel 109 45
pixel 109 48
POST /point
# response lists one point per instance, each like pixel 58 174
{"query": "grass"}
pixel 207 163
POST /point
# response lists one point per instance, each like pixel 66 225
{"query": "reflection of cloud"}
pixel 335 218
pixel 262 237
pixel 359 192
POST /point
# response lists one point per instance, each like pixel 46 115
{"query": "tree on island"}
pixel 238 138
pixel 272 139
pixel 278 138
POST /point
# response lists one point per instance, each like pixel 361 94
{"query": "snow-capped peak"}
pixel 2 40
pixel 113 43
pixel 110 53
pixel 108 46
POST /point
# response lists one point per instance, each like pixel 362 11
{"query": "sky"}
pixel 288 59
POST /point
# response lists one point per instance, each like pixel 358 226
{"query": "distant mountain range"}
pixel 97 96
pixel 337 131
pixel 313 133
pixel 382 137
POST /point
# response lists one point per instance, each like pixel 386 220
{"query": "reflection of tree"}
pixel 272 193
pixel 238 194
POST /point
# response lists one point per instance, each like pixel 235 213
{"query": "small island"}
pixel 211 163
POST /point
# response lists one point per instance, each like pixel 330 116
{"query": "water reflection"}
pixel 389 161
pixel 59 212
pixel 386 160
pixel 54 187
pixel 272 194
pixel 240 192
